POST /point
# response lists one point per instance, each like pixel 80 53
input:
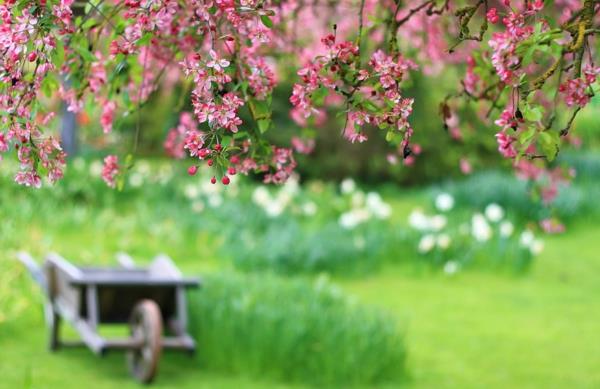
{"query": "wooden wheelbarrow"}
pixel 146 298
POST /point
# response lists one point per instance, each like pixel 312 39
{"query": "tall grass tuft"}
pixel 293 330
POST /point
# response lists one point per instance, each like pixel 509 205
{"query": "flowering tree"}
pixel 528 69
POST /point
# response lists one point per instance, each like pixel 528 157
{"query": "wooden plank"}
pixel 92 306
pixel 89 336
pixel 163 266
pixel 106 280
pixel 183 342
pixel 123 344
pixel 34 269
pixel 125 260
pixel 72 271
pixel 180 311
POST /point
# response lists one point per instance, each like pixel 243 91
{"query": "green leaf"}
pixel 389 136
pixel 526 136
pixel 549 143
pixel 50 85
pixel 145 39
pixel 318 96
pixel 85 53
pixel 129 161
pixel 266 21
pixel 263 125
pixel 532 114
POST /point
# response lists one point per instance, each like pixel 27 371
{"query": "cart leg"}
pixel 53 323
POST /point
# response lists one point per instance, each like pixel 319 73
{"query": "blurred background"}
pixel 366 270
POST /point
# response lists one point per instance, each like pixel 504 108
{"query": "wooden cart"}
pixel 152 300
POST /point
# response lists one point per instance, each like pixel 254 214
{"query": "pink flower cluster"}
pixel 178 138
pixel 23 48
pixel 108 115
pixel 552 226
pixel 505 58
pixel 219 115
pixel 381 103
pixel 547 180
pixel 471 78
pixel 578 91
pixel 261 77
pixel 110 170
pixel 284 162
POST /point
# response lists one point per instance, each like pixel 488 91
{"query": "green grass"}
pixel 472 330
pixel 294 330
pixel 484 330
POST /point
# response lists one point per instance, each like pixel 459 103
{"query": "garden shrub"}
pixel 287 246
pixel 293 330
pixel 456 238
pixel 573 200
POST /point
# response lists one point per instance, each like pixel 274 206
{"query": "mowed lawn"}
pixel 478 330
pixel 475 329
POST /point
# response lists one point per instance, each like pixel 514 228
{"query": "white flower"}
pixel 444 202
pixel 506 229
pixel 358 199
pixel 291 186
pixel 451 267
pixel 284 198
pixel 537 246
pixel 353 218
pixel 443 241
pixel 348 220
pixel 426 243
pixel 79 164
pixel 438 222
pixel 480 229
pixel 96 168
pixel 136 180
pixel 191 191
pixel 376 206
pixel 418 220
pixel 527 238
pixel 261 196
pixel 384 211
pixel 144 167
pixel 209 188
pixel 273 208
pixel 494 212
pixel 347 186
pixel 198 206
pixel 309 209
pixel 215 200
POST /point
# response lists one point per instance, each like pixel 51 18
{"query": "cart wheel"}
pixel 146 325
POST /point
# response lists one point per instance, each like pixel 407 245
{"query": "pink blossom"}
pixel 110 170
pixel 108 115
pixel 552 226
pixel 303 146
pixel 465 166
pixel 261 77
pixel 506 145
pixel 97 76
pixel 3 143
pixel 175 143
pixel 492 16
pixel 28 178
pixel 576 90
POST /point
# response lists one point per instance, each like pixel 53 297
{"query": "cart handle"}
pixel 34 269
